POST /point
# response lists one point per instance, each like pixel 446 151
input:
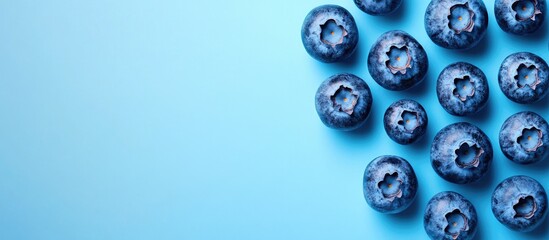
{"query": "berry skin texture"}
pixel 329 33
pixel 461 153
pixel 343 102
pixel 456 24
pixel 520 203
pixel 520 17
pixel 523 77
pixel 450 216
pixel 397 61
pixel 376 7
pixel 405 121
pixel 462 89
pixel 524 139
pixel 390 184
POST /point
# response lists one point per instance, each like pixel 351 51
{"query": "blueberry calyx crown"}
pixel 332 33
pixel 527 76
pixel 525 207
pixel 457 223
pixel 468 155
pixel 526 10
pixel 461 18
pixel 344 99
pixel 390 186
pixel 399 59
pixel 409 120
pixel 530 139
pixel 464 87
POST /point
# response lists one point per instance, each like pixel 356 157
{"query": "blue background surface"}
pixel 196 120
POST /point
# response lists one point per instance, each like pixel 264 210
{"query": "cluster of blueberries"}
pixel 461 153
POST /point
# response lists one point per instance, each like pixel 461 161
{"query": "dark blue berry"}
pixel 461 153
pixel 456 24
pixel 390 184
pixel 397 61
pixel 378 7
pixel 405 121
pixel 343 102
pixel 450 216
pixel 462 89
pixel 520 16
pixel 524 138
pixel 520 203
pixel 329 33
pixel 523 77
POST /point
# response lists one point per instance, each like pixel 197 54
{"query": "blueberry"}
pixel 524 138
pixel 390 184
pixel 450 216
pixel 523 77
pixel 343 102
pixel 329 33
pixel 520 203
pixel 397 61
pixel 461 153
pixel 520 16
pixel 456 24
pixel 378 7
pixel 405 121
pixel 462 89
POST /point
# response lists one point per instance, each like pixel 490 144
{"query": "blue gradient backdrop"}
pixel 195 120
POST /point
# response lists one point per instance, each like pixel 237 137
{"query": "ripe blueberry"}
pixel 524 138
pixel 520 16
pixel 520 203
pixel 405 121
pixel 329 33
pixel 462 89
pixel 390 184
pixel 377 7
pixel 523 77
pixel 456 24
pixel 461 153
pixel 397 61
pixel 450 216
pixel 343 102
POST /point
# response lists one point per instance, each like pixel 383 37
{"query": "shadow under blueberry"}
pixel 479 50
pixel 540 107
pixel 541 232
pixel 484 114
pixel 534 37
pixel 366 129
pixel 410 215
pixel 396 16
pixel 478 235
pixel 351 61
pixel 541 166
pixel 422 89
pixel 486 183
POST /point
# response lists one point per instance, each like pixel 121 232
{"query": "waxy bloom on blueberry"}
pixel 461 153
pixel 462 89
pixel 329 33
pixel 520 203
pixel 397 61
pixel 524 77
pixel 450 216
pixel 520 16
pixel 456 24
pixel 343 102
pixel 377 7
pixel 405 121
pixel 524 138
pixel 390 184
